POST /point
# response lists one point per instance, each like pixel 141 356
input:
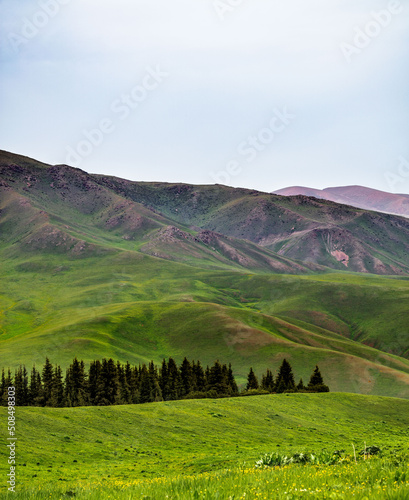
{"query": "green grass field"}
pixel 208 448
pixel 138 308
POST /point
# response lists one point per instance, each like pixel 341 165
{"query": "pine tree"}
pixel 300 385
pixel 186 374
pixel 36 388
pixel 21 386
pixel 145 386
pixel 207 376
pixel 280 386
pixel 124 397
pixel 233 389
pixel 110 384
pixel 217 380
pixel 316 383
pixel 95 385
pixel 6 382
pixel 199 377
pixel 252 381
pixel 132 381
pixel 57 393
pixel 174 387
pixel 153 374
pixel 164 380
pixel 47 379
pixel 76 393
pixel 285 378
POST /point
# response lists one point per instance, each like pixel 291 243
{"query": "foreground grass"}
pixel 374 478
pixel 209 447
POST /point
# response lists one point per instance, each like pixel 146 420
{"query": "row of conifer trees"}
pixel 284 382
pixel 108 383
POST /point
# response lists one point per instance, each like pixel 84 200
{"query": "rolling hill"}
pixel 94 266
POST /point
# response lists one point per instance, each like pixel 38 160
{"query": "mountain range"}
pixel 356 196
pixel 97 266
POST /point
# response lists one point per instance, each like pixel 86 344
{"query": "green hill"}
pixel 137 308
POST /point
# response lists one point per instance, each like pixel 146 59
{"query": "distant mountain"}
pixel 356 196
pixel 64 209
pixel 61 209
pixel 312 231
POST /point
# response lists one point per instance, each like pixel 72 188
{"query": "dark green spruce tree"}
pixel 300 385
pixel 47 379
pixel 231 382
pixel 131 377
pixel 6 382
pixel 95 384
pixel 110 383
pixel 145 389
pixel 285 378
pixel 124 396
pixel 217 381
pixel 199 377
pixel 252 381
pixel 35 391
pixel 57 399
pixel 21 385
pixel 76 390
pixel 186 374
pixel 172 382
pixel 316 383
pixel 154 376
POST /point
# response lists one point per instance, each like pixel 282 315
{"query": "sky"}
pixel 259 94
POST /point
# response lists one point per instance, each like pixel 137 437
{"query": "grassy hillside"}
pixel 137 308
pixel 100 449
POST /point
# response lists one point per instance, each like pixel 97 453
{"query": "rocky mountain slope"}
pixel 313 231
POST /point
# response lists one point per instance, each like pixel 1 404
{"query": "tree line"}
pixel 108 382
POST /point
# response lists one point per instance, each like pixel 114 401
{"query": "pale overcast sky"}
pixel 254 93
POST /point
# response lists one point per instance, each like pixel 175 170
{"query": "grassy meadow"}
pixel 139 308
pixel 208 448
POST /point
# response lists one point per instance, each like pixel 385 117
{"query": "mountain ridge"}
pixel 356 196
pixel 304 233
